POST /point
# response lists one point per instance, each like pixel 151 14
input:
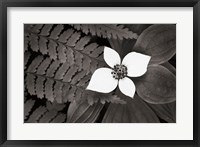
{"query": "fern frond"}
pixel 105 98
pixel 36 28
pixel 39 86
pixel 49 112
pixel 56 31
pixel 61 43
pixel 45 30
pixel 55 106
pixel 61 91
pixel 26 41
pixel 106 31
pixel 48 116
pixel 30 84
pixel 113 99
pixel 28 105
pixel 63 68
pixel 60 118
pixel 54 90
pixel 27 56
pixel 34 65
pixel 54 68
pixel 37 114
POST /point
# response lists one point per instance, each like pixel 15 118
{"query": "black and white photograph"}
pixel 99 73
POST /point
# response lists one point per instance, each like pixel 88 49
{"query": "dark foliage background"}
pixel 59 60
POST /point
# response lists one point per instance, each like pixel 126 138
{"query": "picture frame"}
pixel 4 142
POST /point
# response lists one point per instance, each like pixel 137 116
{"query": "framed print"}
pixel 99 73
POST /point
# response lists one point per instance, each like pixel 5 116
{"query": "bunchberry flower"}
pixel 105 80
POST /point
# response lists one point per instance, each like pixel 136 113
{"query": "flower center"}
pixel 119 71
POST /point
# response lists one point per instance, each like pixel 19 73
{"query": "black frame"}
pixel 98 3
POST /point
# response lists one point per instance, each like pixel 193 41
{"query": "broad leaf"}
pixel 159 41
pixel 166 112
pixel 170 67
pixel 157 86
pixel 125 46
pixel 83 112
pixel 135 111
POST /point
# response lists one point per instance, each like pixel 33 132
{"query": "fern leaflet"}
pixel 106 31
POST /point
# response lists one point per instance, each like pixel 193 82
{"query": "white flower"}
pixel 105 80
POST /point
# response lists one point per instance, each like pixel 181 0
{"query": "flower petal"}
pixel 127 87
pixel 136 63
pixel 111 57
pixel 102 81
